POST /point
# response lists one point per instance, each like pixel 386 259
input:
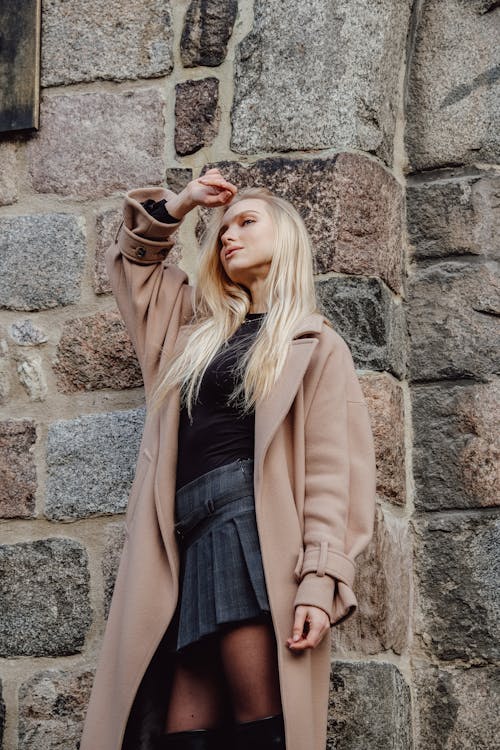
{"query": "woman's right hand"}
pixel 210 190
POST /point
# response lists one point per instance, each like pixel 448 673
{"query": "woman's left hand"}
pixel 308 636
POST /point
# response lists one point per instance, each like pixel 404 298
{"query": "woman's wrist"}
pixel 179 205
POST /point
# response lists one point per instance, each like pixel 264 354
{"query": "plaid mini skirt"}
pixel 221 573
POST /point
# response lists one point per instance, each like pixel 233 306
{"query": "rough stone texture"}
pixel 107 224
pixel 17 468
pixel 8 174
pixel 44 588
pixel 96 352
pixel 115 538
pixel 456 451
pixel 25 333
pixel 451 310
pixel 364 314
pixel 457 566
pixel 208 26
pixel 177 178
pixel 5 377
pixel 455 708
pixel 93 144
pixel 32 377
pixel 41 260
pixel 318 75
pixel 91 463
pixel 197 114
pixel 454 212
pixel 384 397
pixel 383 590
pixel 369 708
pixel 351 206
pixel 52 708
pixel 121 40
pixel 452 100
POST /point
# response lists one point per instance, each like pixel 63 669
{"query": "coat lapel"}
pixel 270 412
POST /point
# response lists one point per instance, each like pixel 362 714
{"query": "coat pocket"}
pixel 144 462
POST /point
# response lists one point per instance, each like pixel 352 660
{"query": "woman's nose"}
pixel 228 237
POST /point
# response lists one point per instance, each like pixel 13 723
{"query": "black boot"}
pixel 263 734
pixel 195 739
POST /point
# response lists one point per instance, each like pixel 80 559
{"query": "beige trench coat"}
pixel 314 486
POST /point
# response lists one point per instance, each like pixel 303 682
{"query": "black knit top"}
pixel 220 433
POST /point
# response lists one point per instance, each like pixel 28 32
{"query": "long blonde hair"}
pixel 220 307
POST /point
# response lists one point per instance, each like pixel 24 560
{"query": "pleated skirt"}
pixel 221 572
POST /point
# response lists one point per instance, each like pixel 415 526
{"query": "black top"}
pixel 220 433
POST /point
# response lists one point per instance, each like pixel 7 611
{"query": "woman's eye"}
pixel 245 221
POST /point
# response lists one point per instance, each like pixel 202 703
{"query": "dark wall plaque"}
pixel 20 23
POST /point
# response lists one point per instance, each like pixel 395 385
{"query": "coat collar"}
pixel 312 323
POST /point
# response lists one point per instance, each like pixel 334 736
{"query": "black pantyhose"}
pixel 232 676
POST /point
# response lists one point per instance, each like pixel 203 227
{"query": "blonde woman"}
pixel 254 489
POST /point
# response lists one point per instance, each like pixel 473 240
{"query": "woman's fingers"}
pixel 312 619
pixel 217 181
pixel 219 199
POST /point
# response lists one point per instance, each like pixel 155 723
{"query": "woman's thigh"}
pixel 198 698
pixel 249 660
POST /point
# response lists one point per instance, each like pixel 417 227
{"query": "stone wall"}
pixel 377 120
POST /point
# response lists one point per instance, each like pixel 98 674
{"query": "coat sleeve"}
pixel 340 489
pixel 154 298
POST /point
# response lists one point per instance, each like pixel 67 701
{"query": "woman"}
pixel 254 488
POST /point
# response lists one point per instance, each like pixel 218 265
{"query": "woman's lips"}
pixel 234 250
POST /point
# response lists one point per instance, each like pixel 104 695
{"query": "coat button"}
pixel 163 251
pixel 140 252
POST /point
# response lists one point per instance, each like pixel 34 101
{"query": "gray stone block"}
pixel 45 598
pixel 370 708
pixel 52 708
pixel 456 450
pixel 91 463
pixel 453 103
pixel 451 316
pixel 197 114
pixel 208 26
pixel 454 212
pixel 115 538
pixel 118 40
pixel 41 260
pixel 350 204
pixel 456 708
pixel 25 333
pixel 457 572
pixel 364 313
pixel 94 144
pixel 319 75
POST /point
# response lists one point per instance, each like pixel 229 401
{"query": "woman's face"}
pixel 248 226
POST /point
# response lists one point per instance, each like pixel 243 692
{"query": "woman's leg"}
pixel 249 660
pixel 198 698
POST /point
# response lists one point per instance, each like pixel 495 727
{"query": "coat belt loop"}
pixel 323 559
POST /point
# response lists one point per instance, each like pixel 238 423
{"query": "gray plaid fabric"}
pixel 221 577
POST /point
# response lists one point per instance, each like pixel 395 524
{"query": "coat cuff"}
pixel 141 237
pixel 316 591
